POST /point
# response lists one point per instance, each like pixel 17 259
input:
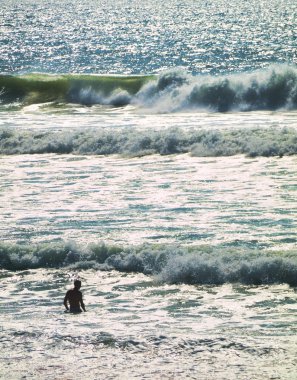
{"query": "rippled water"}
pixel 135 328
pixel 129 37
pixel 155 199
pixel 168 188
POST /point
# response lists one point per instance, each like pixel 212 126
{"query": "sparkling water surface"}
pixel 186 248
pixel 135 328
pixel 139 326
pixel 161 199
pixel 123 37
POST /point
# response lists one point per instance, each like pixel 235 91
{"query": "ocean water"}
pixel 149 149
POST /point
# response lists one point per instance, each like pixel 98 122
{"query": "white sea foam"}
pixel 170 264
pixel 175 90
pixel 251 142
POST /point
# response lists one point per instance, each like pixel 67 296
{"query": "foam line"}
pixel 201 143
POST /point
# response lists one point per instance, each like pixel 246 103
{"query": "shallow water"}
pixel 151 199
pixel 137 328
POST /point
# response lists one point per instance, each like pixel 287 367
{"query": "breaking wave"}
pixel 167 263
pixel 131 143
pixel 69 88
pixel 174 90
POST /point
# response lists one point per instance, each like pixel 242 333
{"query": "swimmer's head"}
pixel 77 284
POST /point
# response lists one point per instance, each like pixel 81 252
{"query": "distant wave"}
pixel 174 90
pixel 168 263
pixel 202 143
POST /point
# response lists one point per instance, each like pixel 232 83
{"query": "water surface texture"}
pixel 149 149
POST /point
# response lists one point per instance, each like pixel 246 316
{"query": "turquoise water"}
pixel 150 150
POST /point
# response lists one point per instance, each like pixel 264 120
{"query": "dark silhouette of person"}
pixel 74 298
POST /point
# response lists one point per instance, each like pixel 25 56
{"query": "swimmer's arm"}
pixel 82 303
pixel 83 306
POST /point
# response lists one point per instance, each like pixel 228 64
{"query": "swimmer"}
pixel 74 298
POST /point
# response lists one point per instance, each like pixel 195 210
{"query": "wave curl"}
pixel 174 90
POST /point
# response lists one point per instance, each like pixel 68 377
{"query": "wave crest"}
pixel 271 89
pixel 167 263
pixel 174 90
